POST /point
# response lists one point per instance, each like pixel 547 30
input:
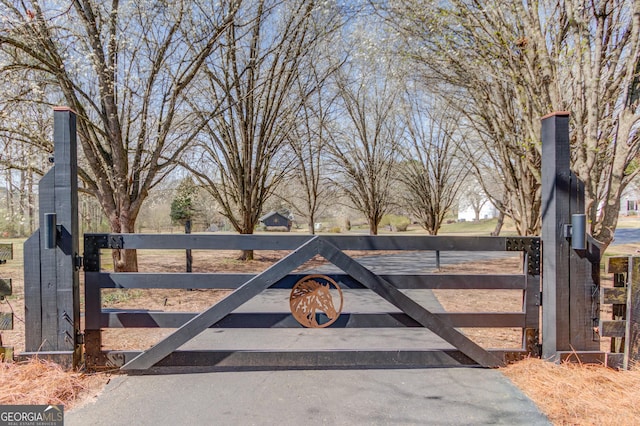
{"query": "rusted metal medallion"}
pixel 313 301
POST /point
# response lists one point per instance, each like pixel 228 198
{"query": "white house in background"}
pixel 466 212
pixel 630 200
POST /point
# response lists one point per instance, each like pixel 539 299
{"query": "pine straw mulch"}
pixel 40 382
pixel 579 394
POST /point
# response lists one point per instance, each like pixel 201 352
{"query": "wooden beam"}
pixel 66 208
pixel 216 360
pixel 291 242
pixel 6 353
pixel 415 243
pixel 613 296
pixel 6 251
pixel 614 360
pixel 208 241
pixel 5 287
pixel 632 330
pixel 150 319
pixel 32 294
pixel 612 328
pixel 6 320
pixel 617 265
pixel 92 301
pixel 231 281
pixel 48 280
pixel 619 311
pixel 531 302
pixel 408 306
pixel 584 281
pixel 583 357
pixel 224 307
pixel 555 187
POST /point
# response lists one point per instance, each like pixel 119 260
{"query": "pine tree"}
pixel 182 208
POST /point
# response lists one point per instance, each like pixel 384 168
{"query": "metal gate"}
pixel 459 349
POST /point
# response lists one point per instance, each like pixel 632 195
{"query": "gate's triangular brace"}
pixel 278 271
pixel 215 313
pixel 410 307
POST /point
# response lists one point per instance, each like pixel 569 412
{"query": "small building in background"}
pixel 630 200
pixel 274 221
pixel 485 210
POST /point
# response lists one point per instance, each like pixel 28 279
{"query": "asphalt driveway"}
pixel 437 396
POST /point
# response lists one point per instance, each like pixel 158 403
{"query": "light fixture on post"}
pixel 577 231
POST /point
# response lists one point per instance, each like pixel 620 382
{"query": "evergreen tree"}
pixel 182 208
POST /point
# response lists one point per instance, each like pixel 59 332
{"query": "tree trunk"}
pixel 10 203
pixel 30 201
pixel 248 224
pixel 247 230
pixel 124 260
pixel 22 204
pixel 373 227
pixel 498 228
pixel 312 228
pixel 246 255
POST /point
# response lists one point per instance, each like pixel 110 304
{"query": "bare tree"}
pixel 457 53
pixel 308 141
pixel 500 152
pixel 365 152
pixel 256 76
pixel 603 89
pixel 125 68
pixel 516 61
pixel 431 172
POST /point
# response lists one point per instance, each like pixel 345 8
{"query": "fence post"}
pixel 52 291
pixel 570 306
pixel 187 230
pixel 6 318
pixel 632 332
pixel 92 303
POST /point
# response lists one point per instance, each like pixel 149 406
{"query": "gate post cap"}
pixel 557 114
pixel 63 109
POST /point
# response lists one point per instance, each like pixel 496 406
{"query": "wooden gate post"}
pixel 570 301
pixel 51 260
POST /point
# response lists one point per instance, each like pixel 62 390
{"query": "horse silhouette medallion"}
pixel 313 296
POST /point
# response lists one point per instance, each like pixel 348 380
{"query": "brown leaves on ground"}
pixel 579 394
pixel 40 382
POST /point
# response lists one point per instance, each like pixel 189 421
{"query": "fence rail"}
pixel 624 327
pixel 291 242
pixel 6 289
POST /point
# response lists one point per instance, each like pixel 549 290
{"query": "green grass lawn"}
pixel 481 227
pixel 629 222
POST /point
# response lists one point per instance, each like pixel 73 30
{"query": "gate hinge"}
pixel 77 262
pixel 79 338
pixel 539 301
